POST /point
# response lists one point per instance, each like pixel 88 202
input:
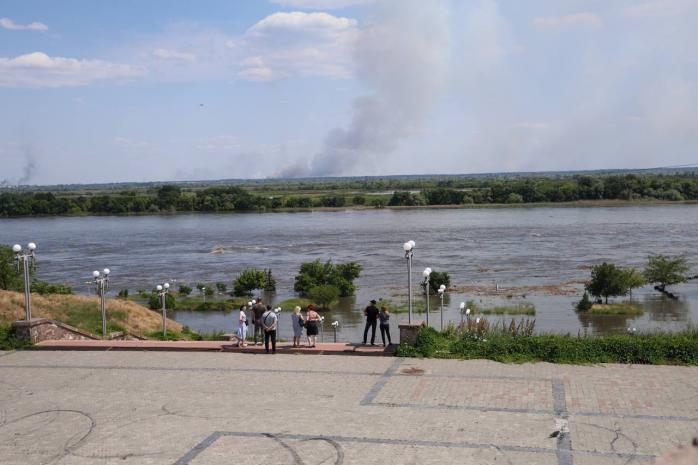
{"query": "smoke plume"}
pixel 402 56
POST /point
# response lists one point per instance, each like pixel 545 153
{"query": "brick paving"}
pixel 106 407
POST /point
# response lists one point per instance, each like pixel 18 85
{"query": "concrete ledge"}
pixel 216 346
pixel 41 329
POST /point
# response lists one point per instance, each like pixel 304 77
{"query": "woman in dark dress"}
pixel 311 326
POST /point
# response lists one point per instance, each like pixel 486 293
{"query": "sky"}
pixel 165 90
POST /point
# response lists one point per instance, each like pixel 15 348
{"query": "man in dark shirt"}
pixel 371 313
pixel 258 310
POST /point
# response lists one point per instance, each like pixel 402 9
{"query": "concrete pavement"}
pixel 221 408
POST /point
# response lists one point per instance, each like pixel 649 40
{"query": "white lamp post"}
pixel 408 247
pixel 163 290
pixel 277 310
pixel 203 291
pixel 26 260
pixel 427 273
pixel 442 290
pixel 101 281
pixel 335 325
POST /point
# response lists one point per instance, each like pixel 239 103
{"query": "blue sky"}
pixel 163 90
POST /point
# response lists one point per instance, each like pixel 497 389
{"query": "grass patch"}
pixel 649 348
pixel 616 309
pixel 288 304
pixel 8 341
pixel 87 317
pixel 519 309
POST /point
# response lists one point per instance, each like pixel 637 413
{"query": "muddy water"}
pixel 494 256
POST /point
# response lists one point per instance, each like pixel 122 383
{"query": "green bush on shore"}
pixel 650 348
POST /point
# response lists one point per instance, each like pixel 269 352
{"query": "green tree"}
pixel 437 278
pixel 222 288
pixel 632 279
pixel 184 290
pixel 358 200
pixel 10 278
pixel 607 280
pixel 324 295
pixel 168 196
pixel 248 281
pixel 665 270
pixel 155 302
pixel 316 273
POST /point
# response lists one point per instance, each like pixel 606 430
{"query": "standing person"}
pixel 258 310
pixel 242 327
pixel 371 313
pixel 311 325
pixel 269 323
pixel 297 321
pixel 384 317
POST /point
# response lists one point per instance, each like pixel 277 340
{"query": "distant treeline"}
pixel 172 198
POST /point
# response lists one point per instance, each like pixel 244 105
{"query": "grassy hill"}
pixel 83 313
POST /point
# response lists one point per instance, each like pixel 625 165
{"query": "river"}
pixel 517 250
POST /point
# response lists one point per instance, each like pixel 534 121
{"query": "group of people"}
pixel 265 322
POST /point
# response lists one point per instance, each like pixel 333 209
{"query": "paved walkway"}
pixel 327 348
pixel 177 408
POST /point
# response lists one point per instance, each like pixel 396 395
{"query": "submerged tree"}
pixel 665 270
pixel 607 280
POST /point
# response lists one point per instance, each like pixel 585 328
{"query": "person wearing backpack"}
pixel 269 323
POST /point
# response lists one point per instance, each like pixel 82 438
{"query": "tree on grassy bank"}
pixel 609 280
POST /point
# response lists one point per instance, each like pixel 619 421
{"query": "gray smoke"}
pixel 402 55
pixel 28 170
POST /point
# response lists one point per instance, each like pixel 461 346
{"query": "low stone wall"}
pixel 408 332
pixel 43 329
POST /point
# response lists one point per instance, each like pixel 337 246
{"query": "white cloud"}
pixel 40 70
pixel 321 4
pixel 583 19
pixel 174 55
pixel 7 23
pixel 297 43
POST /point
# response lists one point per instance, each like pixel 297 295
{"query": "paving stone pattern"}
pixel 223 408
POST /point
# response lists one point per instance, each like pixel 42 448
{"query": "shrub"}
pixel 43 288
pixel 123 293
pixel 249 280
pixel 585 304
pixel 324 295
pixel 221 287
pixel 184 290
pixel 316 273
pixel 437 278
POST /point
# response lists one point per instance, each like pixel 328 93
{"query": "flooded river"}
pixel 494 256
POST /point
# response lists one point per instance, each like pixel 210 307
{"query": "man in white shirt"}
pixel 269 323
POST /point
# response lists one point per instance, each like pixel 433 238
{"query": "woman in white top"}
pixel 242 327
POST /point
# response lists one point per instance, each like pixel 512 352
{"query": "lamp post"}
pixel 427 273
pixel 203 291
pixel 322 329
pixel 26 261
pixel 408 247
pixel 277 310
pixel 101 281
pixel 335 325
pixel 163 290
pixel 442 290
